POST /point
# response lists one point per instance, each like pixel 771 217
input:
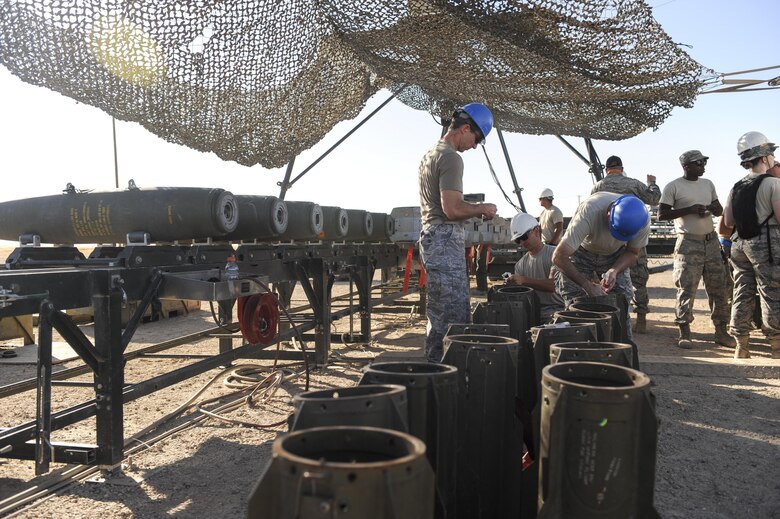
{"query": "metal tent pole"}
pixel 511 169
pixel 289 184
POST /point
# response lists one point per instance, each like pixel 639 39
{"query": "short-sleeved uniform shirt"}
pixel 547 220
pixel 441 169
pixel 768 193
pixel 538 267
pixel 589 227
pixel 681 193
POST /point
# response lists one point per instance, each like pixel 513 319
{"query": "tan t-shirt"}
pixel 440 169
pixel 547 220
pixel 538 267
pixel 768 193
pixel 589 227
pixel 681 193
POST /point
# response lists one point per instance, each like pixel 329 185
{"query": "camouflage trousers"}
pixel 694 260
pixel 442 250
pixel 753 272
pixel 639 276
pixel 592 266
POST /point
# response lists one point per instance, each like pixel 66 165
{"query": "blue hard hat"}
pixel 627 216
pixel 481 115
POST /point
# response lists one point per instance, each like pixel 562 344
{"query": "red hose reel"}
pixel 258 316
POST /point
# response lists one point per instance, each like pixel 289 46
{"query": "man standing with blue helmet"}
pixel 601 243
pixel 442 208
pixel 691 202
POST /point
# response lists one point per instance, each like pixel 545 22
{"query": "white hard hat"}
pixel 521 224
pixel 546 193
pixel 753 145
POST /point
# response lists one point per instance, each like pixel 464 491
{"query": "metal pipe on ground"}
pixel 432 392
pixel 617 306
pixel 382 406
pixel 603 322
pixel 601 304
pixel 618 353
pixel 599 436
pixel 515 314
pixel 544 338
pixel 490 441
pixel 345 472
pixel 502 330
pixel 520 293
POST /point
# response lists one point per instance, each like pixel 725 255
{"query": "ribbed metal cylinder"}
pixel 618 301
pixel 515 314
pixel 543 337
pixel 335 223
pixel 305 222
pixel 361 225
pixel 617 307
pixel 165 213
pixel 598 442
pixel 373 406
pixel 357 472
pixel 502 330
pixel 616 333
pixel 383 226
pixel 520 293
pixel 490 444
pixel 603 322
pixel 607 352
pixel 259 218
pixel 432 400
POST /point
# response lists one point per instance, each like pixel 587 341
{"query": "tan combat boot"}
pixel 641 324
pixel 684 341
pixel 774 342
pixel 742 351
pixel 722 336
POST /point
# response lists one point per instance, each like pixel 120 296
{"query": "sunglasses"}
pixel 478 137
pixel 700 162
pixel 522 237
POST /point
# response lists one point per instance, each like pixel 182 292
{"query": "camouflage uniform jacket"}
pixel 629 186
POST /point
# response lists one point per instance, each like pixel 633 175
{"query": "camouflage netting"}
pixel 258 81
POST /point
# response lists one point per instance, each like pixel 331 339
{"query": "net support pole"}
pixel 511 169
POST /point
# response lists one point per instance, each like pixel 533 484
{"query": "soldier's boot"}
pixel 774 342
pixel 742 351
pixel 641 324
pixel 722 336
pixel 684 341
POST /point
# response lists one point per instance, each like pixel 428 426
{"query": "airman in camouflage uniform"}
pixel 603 240
pixel 756 261
pixel 691 201
pixel 617 182
pixel 442 209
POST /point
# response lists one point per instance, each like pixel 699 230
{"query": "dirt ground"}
pixel 718 448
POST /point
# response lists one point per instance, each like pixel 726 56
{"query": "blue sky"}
pixel 48 140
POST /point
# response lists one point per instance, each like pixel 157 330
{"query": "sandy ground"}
pixel 718 448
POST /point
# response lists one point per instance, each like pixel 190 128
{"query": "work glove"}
pixel 725 249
